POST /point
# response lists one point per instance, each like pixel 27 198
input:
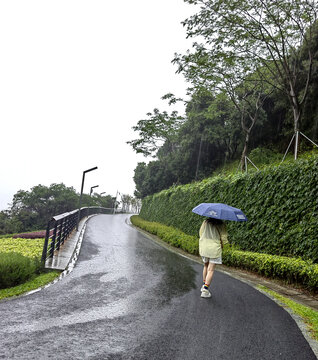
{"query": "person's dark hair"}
pixel 214 221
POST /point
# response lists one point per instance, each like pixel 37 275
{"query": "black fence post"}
pixel 53 240
pixel 47 236
pixel 60 231
pixel 65 229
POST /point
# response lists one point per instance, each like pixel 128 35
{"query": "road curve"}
pixel 129 298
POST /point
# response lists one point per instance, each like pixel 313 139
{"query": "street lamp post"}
pixel 93 187
pixel 90 194
pixel 80 200
pixel 101 200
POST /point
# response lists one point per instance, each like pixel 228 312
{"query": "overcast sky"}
pixel 75 76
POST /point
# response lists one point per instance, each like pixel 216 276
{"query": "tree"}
pixel 126 202
pixel 105 201
pixel 248 99
pixel 223 74
pixel 34 208
pixel 209 136
pixel 215 120
pixel 310 118
pixel 136 205
pixel 7 224
pixel 31 210
pixel 151 178
pixel 159 128
pixel 139 179
pixel 259 37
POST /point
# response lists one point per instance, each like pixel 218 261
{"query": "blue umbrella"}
pixel 220 211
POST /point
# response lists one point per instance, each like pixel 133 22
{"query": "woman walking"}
pixel 213 236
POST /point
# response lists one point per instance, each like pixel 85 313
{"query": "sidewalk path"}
pixel 129 298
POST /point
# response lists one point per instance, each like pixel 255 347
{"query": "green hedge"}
pixel 16 269
pixel 280 203
pixel 291 270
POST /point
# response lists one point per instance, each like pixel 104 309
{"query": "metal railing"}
pixel 61 226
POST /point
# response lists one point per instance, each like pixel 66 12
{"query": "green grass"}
pixel 36 282
pixel 309 316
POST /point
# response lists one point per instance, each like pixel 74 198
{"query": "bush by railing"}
pixel 16 269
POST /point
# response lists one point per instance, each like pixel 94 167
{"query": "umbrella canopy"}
pixel 220 211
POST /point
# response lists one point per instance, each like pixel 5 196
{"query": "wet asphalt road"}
pixel 129 298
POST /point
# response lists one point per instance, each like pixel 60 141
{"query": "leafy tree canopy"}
pixel 31 210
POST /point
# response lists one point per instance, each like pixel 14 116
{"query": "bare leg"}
pixel 209 274
pixel 205 271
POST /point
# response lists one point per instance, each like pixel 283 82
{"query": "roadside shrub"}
pixel 291 270
pixel 16 269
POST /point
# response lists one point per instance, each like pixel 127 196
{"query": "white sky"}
pixel 75 76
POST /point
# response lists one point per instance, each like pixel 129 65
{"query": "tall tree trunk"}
pixel 244 152
pixel 198 160
pixel 296 115
pixel 252 115
pixel 247 130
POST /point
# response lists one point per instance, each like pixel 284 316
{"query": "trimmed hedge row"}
pixel 280 203
pixel 291 270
